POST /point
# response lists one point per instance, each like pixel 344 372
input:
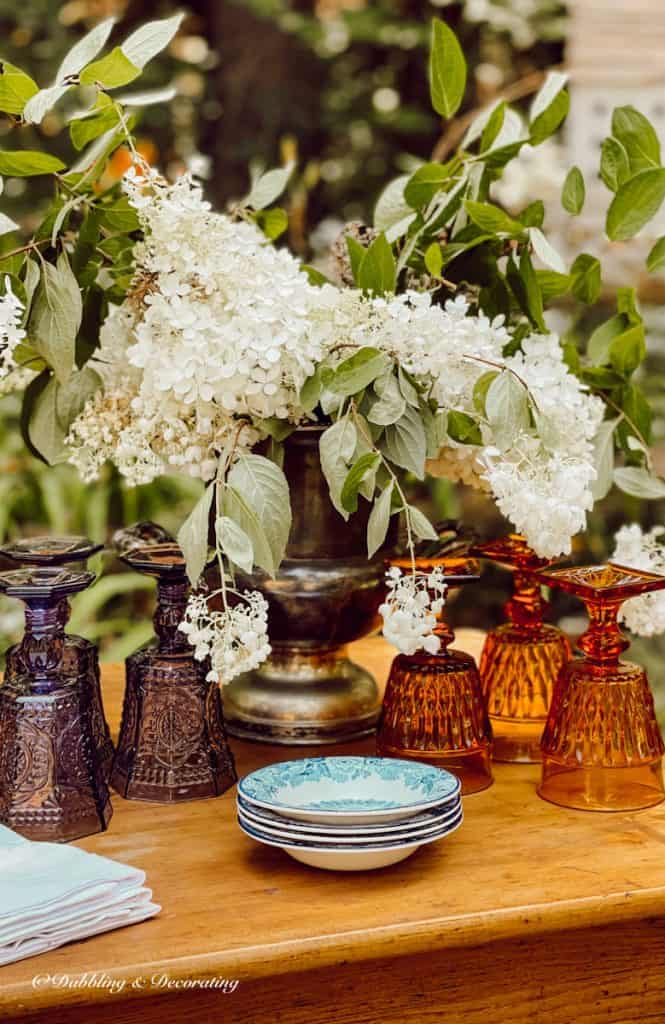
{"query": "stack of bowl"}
pixel 349 813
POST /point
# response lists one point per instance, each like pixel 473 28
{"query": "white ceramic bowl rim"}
pixel 358 841
pixel 323 786
pixel 370 848
pixel 424 819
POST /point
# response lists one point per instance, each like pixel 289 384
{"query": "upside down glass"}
pixel 602 747
pixel 521 658
pixel 433 709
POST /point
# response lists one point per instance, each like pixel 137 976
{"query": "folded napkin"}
pixel 51 894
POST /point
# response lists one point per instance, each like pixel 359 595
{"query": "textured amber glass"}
pixel 433 708
pixel 522 658
pixel 602 747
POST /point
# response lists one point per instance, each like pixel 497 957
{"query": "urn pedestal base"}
pixel 302 697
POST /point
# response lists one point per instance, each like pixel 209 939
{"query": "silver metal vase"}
pixel 326 594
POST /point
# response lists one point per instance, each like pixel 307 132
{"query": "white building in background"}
pixel 615 52
pixel 615 55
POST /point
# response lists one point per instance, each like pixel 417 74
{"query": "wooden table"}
pixel 528 914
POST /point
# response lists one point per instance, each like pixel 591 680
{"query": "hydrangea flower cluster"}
pixel 11 332
pixel 235 639
pixel 644 615
pixel 410 611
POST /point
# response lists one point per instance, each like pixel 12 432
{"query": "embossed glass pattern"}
pixel 80 656
pixel 433 708
pixel 52 784
pixel 602 747
pixel 172 744
pixel 521 658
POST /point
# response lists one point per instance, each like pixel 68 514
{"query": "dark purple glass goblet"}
pixel 52 784
pixel 80 656
pixel 172 743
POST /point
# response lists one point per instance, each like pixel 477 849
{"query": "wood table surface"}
pixel 529 913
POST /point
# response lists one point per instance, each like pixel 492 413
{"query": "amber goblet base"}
pixel 433 711
pixel 517 669
pixel 618 769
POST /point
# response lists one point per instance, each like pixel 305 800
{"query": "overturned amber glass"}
pixel 433 708
pixel 521 658
pixel 602 747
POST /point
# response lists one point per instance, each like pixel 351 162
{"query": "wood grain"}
pixel 525 903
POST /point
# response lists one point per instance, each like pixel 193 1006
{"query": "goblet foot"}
pixel 472 767
pixel 302 697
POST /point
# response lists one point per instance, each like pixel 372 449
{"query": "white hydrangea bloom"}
pixel 413 602
pixel 235 639
pixel 635 549
pixel 11 332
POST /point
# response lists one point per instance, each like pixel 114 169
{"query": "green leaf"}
pixel 549 108
pixel 237 508
pixel 119 216
pixel 405 442
pixel 434 259
pixel 310 392
pixel 628 350
pixel 193 536
pixel 16 88
pixel 545 251
pixel 493 220
pixel 273 223
pixel 111 71
pixel 235 543
pixel 336 449
pixel 377 273
pixel 463 428
pixel 420 524
pixel 447 70
pixel 264 488
pixel 481 388
pixel 603 459
pixel 315 276
pixel 638 138
pixel 637 201
pixel 363 469
pixel 26 163
pixel 150 39
pixel 493 127
pixel 585 278
pixel 574 192
pixel 526 289
pixel 533 215
pixel 656 258
pixel 359 370
pixel 45 430
pixel 56 317
pixel 268 187
pixel 391 206
pixel 84 50
pixel 72 396
pixel 614 164
pixel 507 409
pixel 639 482
pixel 598 349
pixel 551 284
pixel 356 253
pixel 424 184
pixel 7 225
pixel 637 409
pixel 390 404
pixel 379 520
pixel 83 130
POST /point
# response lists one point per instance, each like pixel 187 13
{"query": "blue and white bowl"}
pixel 267 819
pixel 343 857
pixel 348 790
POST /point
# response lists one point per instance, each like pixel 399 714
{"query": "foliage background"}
pixel 339 85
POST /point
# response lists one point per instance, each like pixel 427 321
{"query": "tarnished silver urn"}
pixel 326 594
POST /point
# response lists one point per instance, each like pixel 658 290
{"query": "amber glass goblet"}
pixel 52 783
pixel 80 656
pixel 172 744
pixel 433 708
pixel 602 747
pixel 521 658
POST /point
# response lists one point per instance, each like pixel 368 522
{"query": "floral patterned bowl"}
pixel 352 790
